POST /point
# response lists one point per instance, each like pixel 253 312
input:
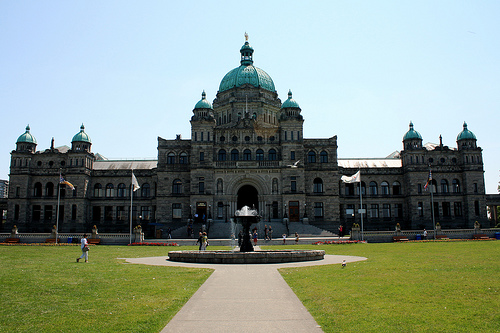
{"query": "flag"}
pixel 356 178
pixel 135 184
pixel 429 180
pixel 65 182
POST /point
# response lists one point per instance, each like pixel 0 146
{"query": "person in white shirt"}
pixel 85 249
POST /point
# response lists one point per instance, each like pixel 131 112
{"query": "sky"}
pixel 132 71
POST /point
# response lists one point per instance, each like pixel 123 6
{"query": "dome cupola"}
pixel 247 73
pixel 412 139
pixel 26 142
pixel 203 103
pixel 290 102
pixel 81 141
pixel 203 109
pixel 466 139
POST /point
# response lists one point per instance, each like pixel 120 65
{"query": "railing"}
pixel 65 237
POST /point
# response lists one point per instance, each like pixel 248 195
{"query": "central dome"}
pixel 247 73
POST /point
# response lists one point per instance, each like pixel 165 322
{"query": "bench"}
pixel 12 240
pixel 399 238
pixel 52 240
pixel 442 237
pixel 94 241
pixel 480 236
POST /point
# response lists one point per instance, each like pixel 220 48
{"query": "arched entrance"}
pixel 248 196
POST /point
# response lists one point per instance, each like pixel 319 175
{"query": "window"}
pixel 122 190
pixel 73 212
pixel 292 155
pixel 446 209
pixel 201 187
pixel 48 212
pixel 220 186
pixel 419 188
pixel 220 210
pixel 457 208
pixel 49 190
pixel 475 188
pixel 96 213
pixel 176 211
pixel 146 213
pixel 373 188
pixel 222 139
pixel 16 212
pixel 420 209
pixel 234 155
pixel 247 155
pixel 311 157
pixel 234 138
pixel 259 155
pixel 476 208
pixel 121 213
pixel 110 191
pixel 318 210
pixel 202 156
pixel 145 190
pixel 349 189
pixel 455 185
pixel 386 210
pixel 444 186
pixel 222 155
pixel 396 188
pixel 293 186
pixel 108 213
pixel 363 188
pixel 318 185
pixel 98 192
pixel 37 211
pixel 183 158
pixel 323 157
pixel 384 187
pixel 37 190
pixel 374 210
pixel 170 158
pixel 349 212
pixel 177 186
pixel 398 210
pixel 272 155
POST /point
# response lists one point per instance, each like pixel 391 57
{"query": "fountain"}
pixel 246 217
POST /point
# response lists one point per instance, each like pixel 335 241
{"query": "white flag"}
pixel 135 184
pixel 356 178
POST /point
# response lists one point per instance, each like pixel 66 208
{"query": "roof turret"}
pixel 466 134
pixel 412 134
pixel 27 137
pixel 81 136
pixel 203 103
pixel 290 102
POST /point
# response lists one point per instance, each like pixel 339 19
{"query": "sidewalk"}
pixel 244 298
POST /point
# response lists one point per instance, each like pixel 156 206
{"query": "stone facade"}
pixel 246 149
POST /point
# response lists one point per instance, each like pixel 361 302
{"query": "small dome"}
pixel 290 102
pixel 412 134
pixel 203 103
pixel 466 134
pixel 81 136
pixel 26 137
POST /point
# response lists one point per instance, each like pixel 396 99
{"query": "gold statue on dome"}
pixel 246 37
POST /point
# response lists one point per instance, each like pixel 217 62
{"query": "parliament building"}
pixel 246 148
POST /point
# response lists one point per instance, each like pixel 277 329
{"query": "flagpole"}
pixel 131 201
pixel 361 203
pixel 58 202
pixel 432 210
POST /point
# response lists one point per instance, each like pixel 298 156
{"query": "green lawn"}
pixel 408 287
pixel 404 287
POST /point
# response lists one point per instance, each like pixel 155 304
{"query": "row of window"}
pixel 442 160
pixel 48 213
pixel 234 155
pixel 121 191
pixel 373 189
pixel 388 211
pixel 120 213
pixel 50 190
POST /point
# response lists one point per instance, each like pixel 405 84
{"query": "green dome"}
pixel 26 137
pixel 81 136
pixel 290 102
pixel 247 73
pixel 412 134
pixel 466 134
pixel 203 103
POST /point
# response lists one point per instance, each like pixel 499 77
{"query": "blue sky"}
pixel 131 71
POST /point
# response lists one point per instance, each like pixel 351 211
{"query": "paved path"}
pixel 244 298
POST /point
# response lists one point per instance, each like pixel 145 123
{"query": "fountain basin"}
pixel 256 257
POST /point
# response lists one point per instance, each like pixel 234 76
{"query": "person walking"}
pixel 204 241
pixel 85 249
pixel 425 234
pixel 270 232
pixel 296 238
pixel 284 239
pixel 255 237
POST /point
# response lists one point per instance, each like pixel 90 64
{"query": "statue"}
pixel 14 233
pixel 95 234
pixel 53 234
pixel 139 235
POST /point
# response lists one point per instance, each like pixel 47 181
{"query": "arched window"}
pixel 373 188
pixel 235 155
pixel 145 190
pixel 323 157
pixel 396 188
pixel 49 190
pixel 220 187
pixel 98 193
pixel 183 158
pixel 37 190
pixel 444 186
pixel 247 155
pixel 311 157
pixel 272 155
pixel 122 190
pixel 318 185
pixel 456 186
pixel 433 186
pixel 384 188
pixel 170 158
pixel 177 186
pixel 110 191
pixel 363 188
pixel 222 155
pixel 259 155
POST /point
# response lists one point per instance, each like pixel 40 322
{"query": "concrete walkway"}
pixel 244 298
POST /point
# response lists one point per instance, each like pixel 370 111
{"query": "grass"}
pixel 404 287
pixel 407 287
pixel 43 289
